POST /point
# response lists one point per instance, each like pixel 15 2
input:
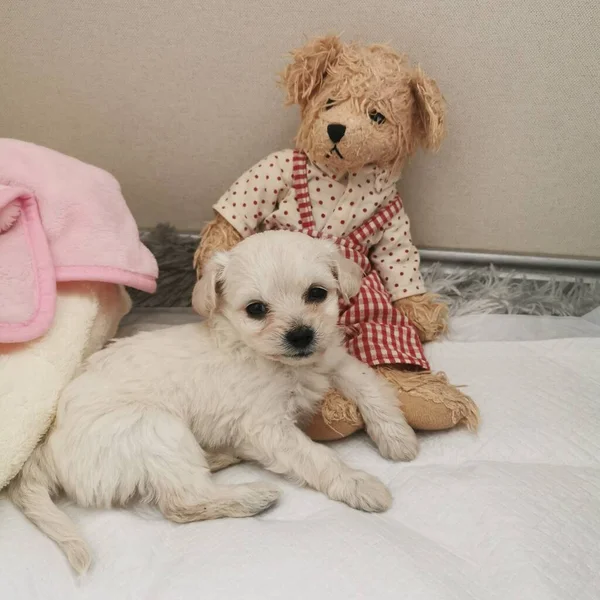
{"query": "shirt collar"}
pixel 326 172
pixel 375 177
pixel 384 179
pixel 381 179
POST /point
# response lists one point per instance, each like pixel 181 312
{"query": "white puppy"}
pixel 151 415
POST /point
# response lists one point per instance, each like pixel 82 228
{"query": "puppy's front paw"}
pixel 395 440
pixel 362 491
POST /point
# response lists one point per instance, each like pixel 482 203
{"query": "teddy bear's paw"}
pixel 395 440
pixel 427 313
pixel 361 491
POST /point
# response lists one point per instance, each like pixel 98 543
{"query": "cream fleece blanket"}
pixel 32 374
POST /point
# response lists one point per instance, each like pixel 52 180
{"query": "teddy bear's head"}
pixel 362 105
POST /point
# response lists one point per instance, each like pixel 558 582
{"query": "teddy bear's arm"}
pixel 427 313
pixel 397 260
pixel 217 234
pixel 255 195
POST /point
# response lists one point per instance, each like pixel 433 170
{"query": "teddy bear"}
pixel 364 111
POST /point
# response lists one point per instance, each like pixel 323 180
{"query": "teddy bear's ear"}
pixel 305 74
pixel 430 110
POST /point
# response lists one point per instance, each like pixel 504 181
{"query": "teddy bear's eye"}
pixel 329 104
pixel 377 117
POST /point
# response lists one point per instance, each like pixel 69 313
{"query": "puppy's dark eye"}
pixel 377 117
pixel 257 310
pixel 329 104
pixel 316 294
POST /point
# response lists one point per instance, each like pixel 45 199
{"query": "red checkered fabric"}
pixel 376 332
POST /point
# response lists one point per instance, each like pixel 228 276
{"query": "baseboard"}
pixel 551 265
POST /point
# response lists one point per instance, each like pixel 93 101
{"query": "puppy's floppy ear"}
pixel 430 110
pixel 348 275
pixel 304 75
pixel 205 296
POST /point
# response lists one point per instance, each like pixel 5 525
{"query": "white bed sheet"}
pixel 510 513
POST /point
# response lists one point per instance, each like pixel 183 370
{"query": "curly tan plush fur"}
pixel 430 402
pixel 353 79
pixel 426 313
pixel 218 234
pixel 338 419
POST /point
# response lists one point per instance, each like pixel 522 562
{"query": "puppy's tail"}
pixel 30 492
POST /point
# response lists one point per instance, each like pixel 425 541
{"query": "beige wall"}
pixel 177 98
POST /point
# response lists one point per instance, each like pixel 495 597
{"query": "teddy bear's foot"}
pixel 337 419
pixel 430 402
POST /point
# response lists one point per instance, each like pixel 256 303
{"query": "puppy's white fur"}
pixel 151 415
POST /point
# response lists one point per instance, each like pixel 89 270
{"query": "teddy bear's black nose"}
pixel 336 132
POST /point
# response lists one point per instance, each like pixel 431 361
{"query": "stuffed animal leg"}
pixel 429 403
pixel 33 374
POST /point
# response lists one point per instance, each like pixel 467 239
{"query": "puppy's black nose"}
pixel 300 337
pixel 336 132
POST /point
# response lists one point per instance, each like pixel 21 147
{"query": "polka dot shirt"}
pixel 264 198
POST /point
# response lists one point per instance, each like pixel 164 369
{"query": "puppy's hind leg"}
pixel 179 479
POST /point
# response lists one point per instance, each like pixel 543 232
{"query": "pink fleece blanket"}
pixel 60 220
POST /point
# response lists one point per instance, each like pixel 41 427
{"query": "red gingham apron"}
pixel 376 332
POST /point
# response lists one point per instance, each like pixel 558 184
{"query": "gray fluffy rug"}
pixel 467 290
